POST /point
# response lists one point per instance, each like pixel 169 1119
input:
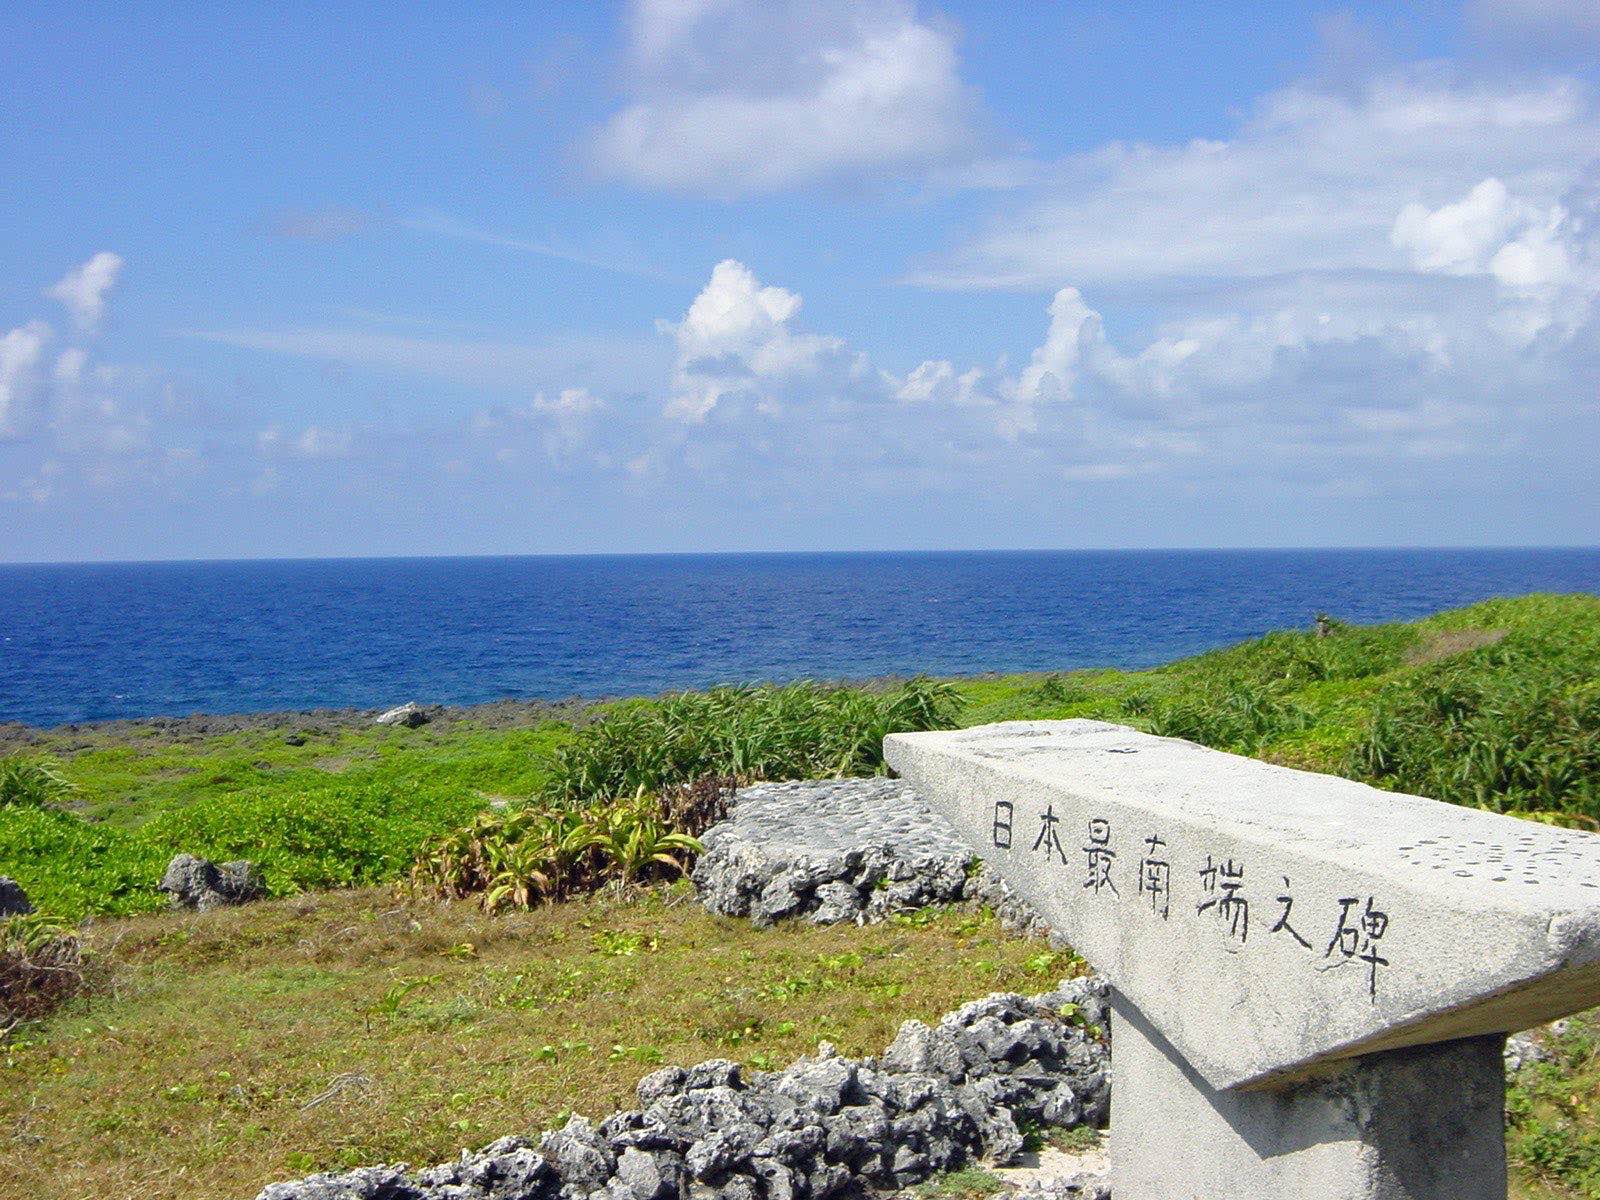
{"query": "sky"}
pixel 687 275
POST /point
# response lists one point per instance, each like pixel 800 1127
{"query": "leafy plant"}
pixel 635 841
pixel 530 856
pixel 1514 727
pixel 1232 715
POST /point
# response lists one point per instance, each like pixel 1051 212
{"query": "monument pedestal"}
pixel 1421 1123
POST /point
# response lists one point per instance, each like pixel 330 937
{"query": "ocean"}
pixel 97 641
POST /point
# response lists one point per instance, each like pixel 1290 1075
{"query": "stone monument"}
pixel 1313 978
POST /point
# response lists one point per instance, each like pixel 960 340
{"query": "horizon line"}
pixel 796 553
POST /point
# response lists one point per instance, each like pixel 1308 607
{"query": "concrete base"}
pixel 1422 1123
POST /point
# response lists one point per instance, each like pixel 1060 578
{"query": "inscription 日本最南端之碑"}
pixel 1223 890
pixel 1266 919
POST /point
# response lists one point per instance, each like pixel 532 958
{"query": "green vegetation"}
pixel 332 811
pixel 341 1028
pixel 967 1183
pixel 796 732
pixel 521 858
pixel 32 783
pixel 1553 1114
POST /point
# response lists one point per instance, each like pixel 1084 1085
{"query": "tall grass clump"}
pixel 1294 659
pixel 1513 727
pixel 32 783
pixel 1229 715
pixel 798 731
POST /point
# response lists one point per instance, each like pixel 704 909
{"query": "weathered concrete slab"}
pixel 1379 1127
pixel 1266 920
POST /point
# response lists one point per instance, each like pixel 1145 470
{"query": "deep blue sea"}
pixel 89 642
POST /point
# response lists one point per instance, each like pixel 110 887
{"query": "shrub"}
pixel 71 867
pixel 42 965
pixel 1512 742
pixel 335 836
pixel 747 733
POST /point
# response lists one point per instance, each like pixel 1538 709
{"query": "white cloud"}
pixel 1546 260
pixel 20 352
pixel 82 290
pixel 734 97
pixel 736 340
pixel 1074 330
pixel 1339 379
pixel 1456 238
pixel 312 442
pixel 1310 181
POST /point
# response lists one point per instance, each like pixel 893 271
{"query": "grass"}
pixel 965 1183
pixel 343 1028
pixel 337 810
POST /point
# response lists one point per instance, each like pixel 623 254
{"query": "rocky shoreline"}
pixel 317 722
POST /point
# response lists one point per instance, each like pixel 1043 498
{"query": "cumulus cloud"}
pixel 736 339
pixel 21 350
pixel 1296 373
pixel 1545 258
pixel 735 97
pixel 560 428
pixel 82 291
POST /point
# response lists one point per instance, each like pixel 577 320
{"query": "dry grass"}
pixel 1447 643
pixel 347 1027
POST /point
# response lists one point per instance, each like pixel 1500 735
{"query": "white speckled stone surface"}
pixel 1282 919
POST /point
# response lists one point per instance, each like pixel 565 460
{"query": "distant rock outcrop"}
pixel 14 901
pixel 409 715
pixel 201 884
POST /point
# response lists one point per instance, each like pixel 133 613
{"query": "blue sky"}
pixel 712 274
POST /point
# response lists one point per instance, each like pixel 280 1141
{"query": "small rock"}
pixel 647 1176
pixel 14 901
pixel 203 885
pixel 410 715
